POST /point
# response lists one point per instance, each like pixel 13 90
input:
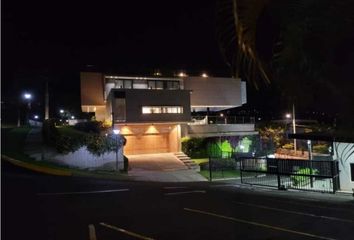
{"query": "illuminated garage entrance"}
pixel 158 138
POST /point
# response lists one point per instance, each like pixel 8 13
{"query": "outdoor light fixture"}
pixel 61 111
pixel 116 131
pixel 72 117
pixel 27 96
pixel 182 74
pixel 36 117
pixel 221 114
pixel 288 115
pixel 204 75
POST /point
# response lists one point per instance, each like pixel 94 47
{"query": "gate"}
pixel 310 175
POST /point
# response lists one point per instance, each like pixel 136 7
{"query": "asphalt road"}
pixel 36 206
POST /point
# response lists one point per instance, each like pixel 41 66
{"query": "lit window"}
pixel 162 109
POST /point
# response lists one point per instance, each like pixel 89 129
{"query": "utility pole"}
pixel 294 127
pixel 46 101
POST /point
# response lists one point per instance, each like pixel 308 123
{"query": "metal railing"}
pixel 321 176
pixel 223 120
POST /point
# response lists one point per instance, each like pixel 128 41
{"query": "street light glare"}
pixel 288 115
pixel 116 131
pixel 27 96
pixel 61 111
pixel 204 75
pixel 72 117
pixel 36 117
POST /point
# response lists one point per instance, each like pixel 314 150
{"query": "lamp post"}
pixel 116 132
pixel 28 98
pixel 292 116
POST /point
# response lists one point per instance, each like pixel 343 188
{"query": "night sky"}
pixel 56 40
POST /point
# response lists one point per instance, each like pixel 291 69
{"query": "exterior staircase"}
pixel 187 161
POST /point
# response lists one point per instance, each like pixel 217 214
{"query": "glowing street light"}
pixel 116 131
pixel 27 96
pixel 72 117
pixel 288 115
pixel 204 75
pixel 61 111
pixel 182 74
pixel 36 116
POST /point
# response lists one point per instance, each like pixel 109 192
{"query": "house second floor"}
pixel 127 99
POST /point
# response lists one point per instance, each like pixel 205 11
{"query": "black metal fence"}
pixel 321 176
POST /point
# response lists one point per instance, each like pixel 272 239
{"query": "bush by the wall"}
pixel 303 180
pixel 67 139
pixel 195 147
pixel 89 127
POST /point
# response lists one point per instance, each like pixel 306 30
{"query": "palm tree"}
pixel 303 46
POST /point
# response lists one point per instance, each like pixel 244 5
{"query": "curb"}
pixel 41 169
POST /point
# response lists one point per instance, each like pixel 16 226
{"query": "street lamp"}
pixel 116 132
pixel 72 117
pixel 36 116
pixel 28 98
pixel 61 111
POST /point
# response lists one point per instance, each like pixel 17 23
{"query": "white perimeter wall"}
pixel 344 153
pixel 82 158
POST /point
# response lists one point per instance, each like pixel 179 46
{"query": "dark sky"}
pixel 55 40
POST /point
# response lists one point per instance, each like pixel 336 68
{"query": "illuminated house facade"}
pixel 153 113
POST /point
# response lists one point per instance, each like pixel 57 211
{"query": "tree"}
pixel 303 46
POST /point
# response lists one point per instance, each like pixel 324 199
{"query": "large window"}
pixel 162 109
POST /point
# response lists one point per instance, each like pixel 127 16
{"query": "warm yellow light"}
pixel 125 130
pixel 151 129
pixel 182 74
pixel 204 75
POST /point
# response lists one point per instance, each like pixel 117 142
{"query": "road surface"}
pixel 36 206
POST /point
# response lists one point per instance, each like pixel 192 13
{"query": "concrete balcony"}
pixel 219 127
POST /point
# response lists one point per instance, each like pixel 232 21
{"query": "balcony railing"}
pixel 222 120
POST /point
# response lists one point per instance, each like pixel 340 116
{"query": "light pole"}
pixel 28 98
pixel 294 128
pixel 116 132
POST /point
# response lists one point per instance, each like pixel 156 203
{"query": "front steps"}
pixel 187 161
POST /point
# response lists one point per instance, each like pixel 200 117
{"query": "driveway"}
pixel 161 167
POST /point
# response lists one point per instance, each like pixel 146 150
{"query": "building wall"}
pixel 206 92
pixel 344 153
pixel 92 94
pixel 136 98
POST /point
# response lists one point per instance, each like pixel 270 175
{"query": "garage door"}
pixel 156 143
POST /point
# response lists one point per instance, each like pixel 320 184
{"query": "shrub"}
pixel 320 148
pixel 288 146
pixel 89 127
pixel 303 180
pixel 220 163
pixel 195 147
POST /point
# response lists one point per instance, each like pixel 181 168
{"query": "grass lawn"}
pixel 200 160
pixel 13 142
pixel 221 174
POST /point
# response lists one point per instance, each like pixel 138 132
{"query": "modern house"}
pixel 153 113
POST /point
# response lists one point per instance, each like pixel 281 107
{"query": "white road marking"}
pixel 92 232
pixel 258 224
pixel 174 187
pixel 89 192
pixel 294 212
pixel 126 231
pixel 180 193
